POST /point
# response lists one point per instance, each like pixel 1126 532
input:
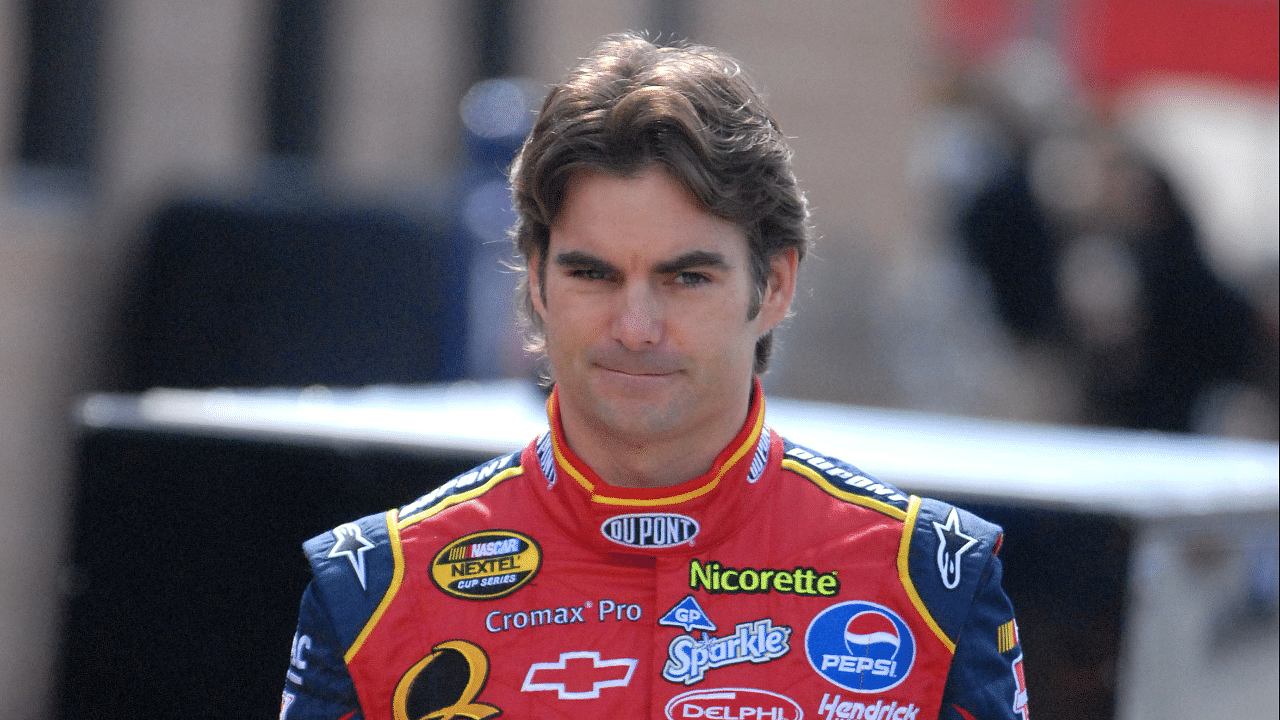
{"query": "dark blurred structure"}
pixel 60 103
pixel 1088 237
pixel 291 288
pixel 1006 232
pixel 1186 330
pixel 1119 284
pixel 188 571
pixel 299 36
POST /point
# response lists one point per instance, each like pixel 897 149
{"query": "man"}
pixel 659 552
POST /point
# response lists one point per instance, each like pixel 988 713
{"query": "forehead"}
pixel 650 211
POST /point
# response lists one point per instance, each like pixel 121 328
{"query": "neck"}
pixel 655 462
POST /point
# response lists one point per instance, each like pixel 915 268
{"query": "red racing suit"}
pixel 781 585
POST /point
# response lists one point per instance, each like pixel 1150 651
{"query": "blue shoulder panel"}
pixel 353 565
pixel 987 678
pixel 950 555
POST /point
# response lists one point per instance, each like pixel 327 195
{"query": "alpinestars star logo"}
pixel 351 542
pixel 952 544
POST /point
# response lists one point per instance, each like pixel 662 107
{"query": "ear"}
pixel 780 289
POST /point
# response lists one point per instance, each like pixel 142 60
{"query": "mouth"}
pixel 641 366
pixel 637 373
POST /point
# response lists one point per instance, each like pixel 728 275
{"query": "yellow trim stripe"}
pixel 397 577
pixel 816 478
pixel 568 467
pixel 451 500
pixel 1007 636
pixel 747 445
pixel 904 574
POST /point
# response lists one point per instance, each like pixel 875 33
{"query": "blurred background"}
pixel 1034 210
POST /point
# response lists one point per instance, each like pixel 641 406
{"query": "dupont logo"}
pixel 736 703
pixel 650 530
pixel 486 565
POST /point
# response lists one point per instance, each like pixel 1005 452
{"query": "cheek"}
pixel 572 322
pixel 721 328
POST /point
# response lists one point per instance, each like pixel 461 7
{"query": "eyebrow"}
pixel 578 258
pixel 691 259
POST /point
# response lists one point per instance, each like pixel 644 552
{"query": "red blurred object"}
pixel 1122 42
pixel 1114 44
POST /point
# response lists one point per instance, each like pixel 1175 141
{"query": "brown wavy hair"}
pixel 631 105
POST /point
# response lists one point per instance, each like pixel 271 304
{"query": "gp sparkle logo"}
pixel 689 615
pixel 689 659
pixel 860 646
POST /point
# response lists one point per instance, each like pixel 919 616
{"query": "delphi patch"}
pixel 647 531
pixel 486 565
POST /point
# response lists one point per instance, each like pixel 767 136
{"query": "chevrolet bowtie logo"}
pixel 575 672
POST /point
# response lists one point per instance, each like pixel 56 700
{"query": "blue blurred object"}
pixel 496 115
pixel 289 286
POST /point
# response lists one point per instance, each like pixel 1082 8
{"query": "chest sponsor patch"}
pixel 689 615
pixel 733 704
pixel 689 659
pixel 445 684
pixel 609 611
pixel 833 708
pixel 579 675
pixel 860 646
pixel 486 565
pixel 650 530
pixel 715 578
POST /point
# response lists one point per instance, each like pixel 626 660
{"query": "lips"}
pixel 636 372
pixel 647 364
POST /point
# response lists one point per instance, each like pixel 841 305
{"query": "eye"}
pixel 589 273
pixel 690 278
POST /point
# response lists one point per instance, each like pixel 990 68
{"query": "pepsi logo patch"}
pixel 860 646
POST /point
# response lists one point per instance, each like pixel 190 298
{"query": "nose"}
pixel 638 319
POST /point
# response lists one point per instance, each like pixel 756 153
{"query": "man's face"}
pixel 644 308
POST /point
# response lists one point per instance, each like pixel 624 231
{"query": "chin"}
pixel 640 418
